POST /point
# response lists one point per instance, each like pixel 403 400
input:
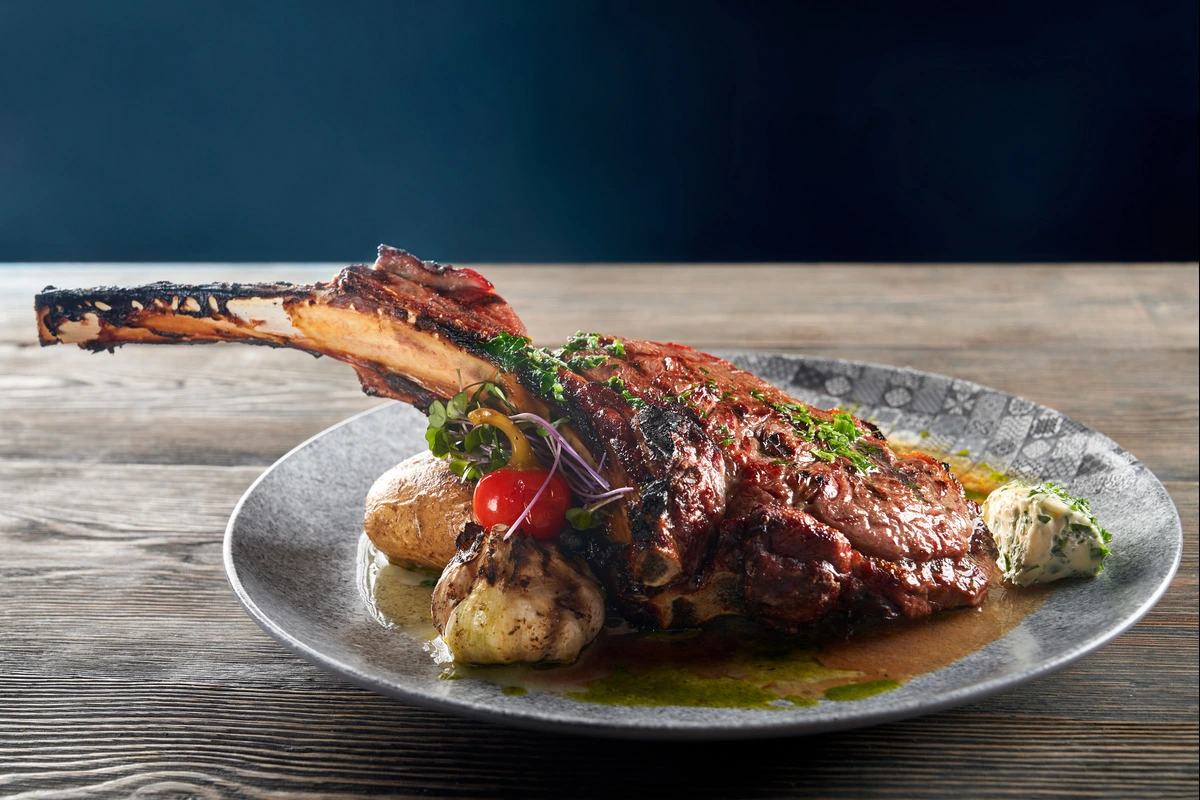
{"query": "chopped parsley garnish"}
pixel 835 437
pixel 727 436
pixel 516 353
pixel 581 341
pixel 586 362
pixel 633 399
pixel 591 341
pixel 509 350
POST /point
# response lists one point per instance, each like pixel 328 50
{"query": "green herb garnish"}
pixel 516 353
pixel 581 341
pixel 835 438
pixel 586 362
pixel 1078 504
pixel 471 450
pixel 580 518
pixel 727 435
pixel 633 399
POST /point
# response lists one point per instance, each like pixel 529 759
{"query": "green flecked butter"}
pixel 514 691
pixel 1043 533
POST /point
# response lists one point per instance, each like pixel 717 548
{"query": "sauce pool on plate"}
pixel 728 664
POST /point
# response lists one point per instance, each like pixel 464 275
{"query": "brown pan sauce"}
pixel 728 664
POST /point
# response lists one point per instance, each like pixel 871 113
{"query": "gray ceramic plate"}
pixel 291 544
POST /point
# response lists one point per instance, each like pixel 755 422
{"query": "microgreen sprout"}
pixel 475 450
pixel 586 483
pixel 471 450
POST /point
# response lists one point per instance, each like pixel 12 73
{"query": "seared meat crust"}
pixel 730 493
pixel 736 509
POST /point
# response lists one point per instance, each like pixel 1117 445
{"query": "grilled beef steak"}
pixel 747 505
pixel 746 501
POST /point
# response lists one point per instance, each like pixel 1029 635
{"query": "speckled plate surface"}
pixel 291 546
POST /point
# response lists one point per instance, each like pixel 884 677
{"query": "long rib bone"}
pixel 407 326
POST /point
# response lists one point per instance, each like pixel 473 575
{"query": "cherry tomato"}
pixel 501 496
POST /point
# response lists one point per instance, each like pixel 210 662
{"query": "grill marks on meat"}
pixel 733 512
pixel 679 473
pixel 730 494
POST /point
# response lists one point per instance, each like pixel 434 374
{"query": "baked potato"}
pixel 416 510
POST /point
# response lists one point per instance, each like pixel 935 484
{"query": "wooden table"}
pixel 126 664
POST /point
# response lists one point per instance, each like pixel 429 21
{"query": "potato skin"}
pixel 416 510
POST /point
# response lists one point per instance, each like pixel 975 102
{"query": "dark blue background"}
pixel 152 130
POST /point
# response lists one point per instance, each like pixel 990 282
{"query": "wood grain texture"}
pixel 127 667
